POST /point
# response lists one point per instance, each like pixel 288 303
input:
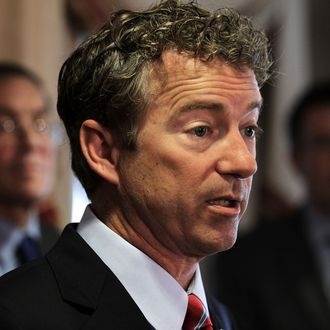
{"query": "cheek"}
pixel 181 176
pixel 181 164
pixel 248 186
pixel 44 151
pixel 315 165
pixel 49 156
pixel 150 177
pixel 7 155
pixel 248 183
pixel 159 161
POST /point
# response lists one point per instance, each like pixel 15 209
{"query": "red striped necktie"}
pixel 196 316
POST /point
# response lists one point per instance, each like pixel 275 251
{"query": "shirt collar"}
pixel 158 295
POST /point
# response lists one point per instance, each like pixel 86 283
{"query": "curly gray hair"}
pixel 106 77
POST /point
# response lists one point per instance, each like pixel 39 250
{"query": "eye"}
pixel 200 131
pixel 253 131
pixel 40 125
pixel 7 125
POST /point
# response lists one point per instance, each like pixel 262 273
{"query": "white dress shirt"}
pixel 159 296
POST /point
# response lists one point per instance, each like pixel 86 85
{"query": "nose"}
pixel 28 137
pixel 237 157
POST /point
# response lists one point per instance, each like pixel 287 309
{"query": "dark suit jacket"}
pixel 49 236
pixel 71 288
pixel 270 280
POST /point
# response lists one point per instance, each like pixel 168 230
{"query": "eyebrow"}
pixel 206 106
pixel 8 112
pixel 5 111
pixel 217 106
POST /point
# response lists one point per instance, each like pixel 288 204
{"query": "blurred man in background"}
pixel 26 166
pixel 279 276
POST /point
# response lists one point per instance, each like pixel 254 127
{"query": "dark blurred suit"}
pixel 271 280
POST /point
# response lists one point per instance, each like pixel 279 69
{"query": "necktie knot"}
pixel 27 250
pixel 196 316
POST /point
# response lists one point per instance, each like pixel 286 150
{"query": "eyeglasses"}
pixel 11 126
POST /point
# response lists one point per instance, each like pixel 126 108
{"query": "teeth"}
pixel 222 202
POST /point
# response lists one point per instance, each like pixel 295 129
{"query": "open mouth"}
pixel 225 206
pixel 223 202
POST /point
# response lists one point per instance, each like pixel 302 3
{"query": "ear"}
pixel 100 150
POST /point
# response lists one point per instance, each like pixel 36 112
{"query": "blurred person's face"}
pixel 313 158
pixel 190 178
pixel 26 151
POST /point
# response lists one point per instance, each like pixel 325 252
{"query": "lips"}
pixel 227 206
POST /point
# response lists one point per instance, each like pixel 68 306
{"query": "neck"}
pixel 182 268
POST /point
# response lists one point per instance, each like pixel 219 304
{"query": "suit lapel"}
pixel 86 282
pixel 216 322
pixel 114 305
pixel 219 315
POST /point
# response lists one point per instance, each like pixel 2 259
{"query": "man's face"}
pixel 190 178
pixel 313 158
pixel 26 154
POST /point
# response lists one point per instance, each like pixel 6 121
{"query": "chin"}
pixel 227 236
pixel 217 244
pixel 226 239
pixel 228 245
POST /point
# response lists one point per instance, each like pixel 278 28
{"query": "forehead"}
pixel 20 97
pixel 183 69
pixel 175 62
pixel 179 81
